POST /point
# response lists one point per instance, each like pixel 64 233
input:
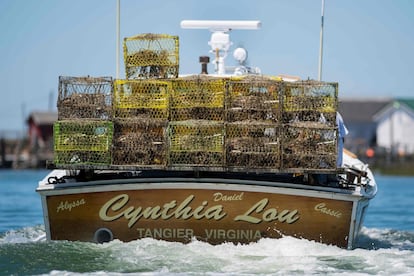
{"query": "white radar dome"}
pixel 240 54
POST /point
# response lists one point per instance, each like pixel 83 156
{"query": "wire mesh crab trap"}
pixel 196 143
pixel 310 101
pixel 309 146
pixel 140 142
pixel 197 98
pixel 82 142
pixel 253 98
pixel 151 56
pixel 141 98
pixel 252 145
pixel 84 97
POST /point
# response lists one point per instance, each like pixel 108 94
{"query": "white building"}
pixel 395 126
pixel 359 115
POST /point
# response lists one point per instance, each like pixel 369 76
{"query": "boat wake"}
pixel 378 251
pixel 24 235
pixel 369 238
pixel 374 239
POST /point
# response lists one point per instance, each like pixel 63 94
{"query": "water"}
pixel 386 246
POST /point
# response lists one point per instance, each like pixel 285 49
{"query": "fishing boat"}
pixel 232 156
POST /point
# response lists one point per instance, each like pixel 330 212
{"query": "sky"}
pixel 368 45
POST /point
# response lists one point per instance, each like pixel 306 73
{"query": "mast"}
pixel 118 39
pixel 321 43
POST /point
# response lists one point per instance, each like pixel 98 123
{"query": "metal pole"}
pixel 50 100
pixel 321 43
pixel 118 39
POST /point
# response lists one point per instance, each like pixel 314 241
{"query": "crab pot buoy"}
pixel 103 235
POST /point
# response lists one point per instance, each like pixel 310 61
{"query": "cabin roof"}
pixel 403 104
pixel 43 117
pixel 361 110
pixel 407 102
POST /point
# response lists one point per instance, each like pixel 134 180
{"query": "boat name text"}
pixel 70 205
pixel 321 207
pixel 221 197
pixel 117 207
pixel 188 233
pixel 268 215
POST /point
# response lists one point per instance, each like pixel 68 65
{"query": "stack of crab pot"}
pixel 140 120
pixel 309 139
pixel 154 119
pixel 253 114
pixel 83 132
pixel 196 129
pixel 141 102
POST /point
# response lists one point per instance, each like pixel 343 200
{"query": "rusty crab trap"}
pixel 253 145
pixel 145 99
pixel 310 101
pixel 84 98
pixel 82 142
pixel 151 56
pixel 253 98
pixel 196 143
pixel 140 142
pixel 197 98
pixel 309 146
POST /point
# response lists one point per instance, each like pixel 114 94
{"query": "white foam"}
pixel 384 252
pixel 268 256
pixel 24 235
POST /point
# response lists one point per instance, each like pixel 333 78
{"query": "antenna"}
pixel 321 43
pixel 118 39
pixel 220 38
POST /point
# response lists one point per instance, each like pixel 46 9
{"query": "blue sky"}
pixel 368 44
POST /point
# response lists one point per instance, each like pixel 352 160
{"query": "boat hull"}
pixel 214 211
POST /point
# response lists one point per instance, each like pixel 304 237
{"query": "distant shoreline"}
pixel 401 169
